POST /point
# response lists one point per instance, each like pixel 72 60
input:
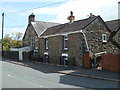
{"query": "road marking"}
pixel 25 81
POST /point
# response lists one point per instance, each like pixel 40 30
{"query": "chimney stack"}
pixel 31 18
pixel 92 15
pixel 71 18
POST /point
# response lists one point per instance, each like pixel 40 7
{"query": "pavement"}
pixel 67 70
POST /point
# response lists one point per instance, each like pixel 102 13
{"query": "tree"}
pixel 7 42
pixel 0 41
pixel 12 41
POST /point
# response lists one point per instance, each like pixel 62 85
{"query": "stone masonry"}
pixel 77 45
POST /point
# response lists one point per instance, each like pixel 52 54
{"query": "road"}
pixel 16 76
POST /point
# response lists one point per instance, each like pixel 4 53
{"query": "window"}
pixel 46 57
pixel 32 43
pixel 36 43
pixel 46 43
pixel 65 59
pixel 104 38
pixel 65 43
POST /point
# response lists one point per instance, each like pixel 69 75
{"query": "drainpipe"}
pixel 85 40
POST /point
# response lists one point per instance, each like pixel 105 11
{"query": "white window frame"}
pixel 104 38
pixel 65 56
pixel 64 45
pixel 46 43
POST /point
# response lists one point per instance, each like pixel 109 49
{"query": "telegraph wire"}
pixel 37 8
pixel 26 11
pixel 30 10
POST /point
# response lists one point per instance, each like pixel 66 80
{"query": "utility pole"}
pixel 2 31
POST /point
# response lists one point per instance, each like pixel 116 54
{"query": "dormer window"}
pixel 104 38
pixel 65 43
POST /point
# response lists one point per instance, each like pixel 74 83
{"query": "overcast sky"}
pixel 17 11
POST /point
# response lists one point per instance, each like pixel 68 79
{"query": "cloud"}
pixel 106 9
pixel 12 30
pixel 81 9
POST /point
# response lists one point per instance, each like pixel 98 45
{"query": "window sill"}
pixel 65 49
pixel 104 42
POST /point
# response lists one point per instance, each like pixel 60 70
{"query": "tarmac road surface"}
pixel 16 76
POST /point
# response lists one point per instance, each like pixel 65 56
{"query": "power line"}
pixel 38 7
pixel 31 9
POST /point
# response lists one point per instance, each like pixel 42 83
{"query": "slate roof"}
pixel 40 26
pixel 67 27
pixel 113 25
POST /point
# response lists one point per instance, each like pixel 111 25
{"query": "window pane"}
pixel 36 43
pixel 46 43
pixel 65 42
pixel 104 38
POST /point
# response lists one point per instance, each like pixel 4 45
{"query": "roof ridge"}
pixel 91 21
pixel 47 22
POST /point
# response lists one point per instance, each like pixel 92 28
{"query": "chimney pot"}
pixel 71 18
pixel 71 13
pixel 91 15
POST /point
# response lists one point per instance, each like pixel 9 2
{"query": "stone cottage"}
pixel 33 31
pixel 66 43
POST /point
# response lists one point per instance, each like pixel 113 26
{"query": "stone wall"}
pixel 94 37
pixel 76 48
pixel 76 44
pixel 29 37
pixel 11 55
pixel 42 47
pixel 55 49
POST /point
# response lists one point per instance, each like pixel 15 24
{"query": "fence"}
pixel 111 62
pixel 87 61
